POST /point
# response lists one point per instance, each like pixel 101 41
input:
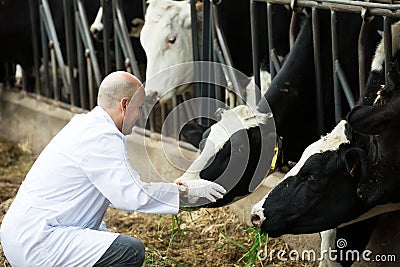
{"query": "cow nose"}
pixel 256 220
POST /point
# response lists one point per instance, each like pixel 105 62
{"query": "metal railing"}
pixel 82 74
pixel 388 9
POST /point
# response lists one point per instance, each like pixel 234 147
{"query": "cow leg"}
pixel 357 236
pixel 328 238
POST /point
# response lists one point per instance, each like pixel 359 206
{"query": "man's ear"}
pixel 124 103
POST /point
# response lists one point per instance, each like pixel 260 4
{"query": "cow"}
pixel 167 39
pixel 237 154
pixel 292 93
pixel 339 178
pixel 358 146
pixel 346 174
pixel 134 18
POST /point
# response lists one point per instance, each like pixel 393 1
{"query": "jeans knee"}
pixel 138 252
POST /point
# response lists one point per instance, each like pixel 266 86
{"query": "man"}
pixel 56 217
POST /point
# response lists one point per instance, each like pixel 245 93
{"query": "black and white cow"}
pixel 236 154
pixel 292 93
pixel 319 192
pixel 344 175
pixel 351 168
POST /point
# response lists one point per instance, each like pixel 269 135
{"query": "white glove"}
pixel 204 188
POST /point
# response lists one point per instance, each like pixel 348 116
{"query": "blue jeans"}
pixel 124 251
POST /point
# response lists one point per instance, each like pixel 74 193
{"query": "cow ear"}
pixel 365 120
pixel 356 162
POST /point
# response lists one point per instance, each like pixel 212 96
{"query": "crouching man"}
pixel 56 217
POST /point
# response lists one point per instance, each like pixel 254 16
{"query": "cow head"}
pixel 132 13
pixel 319 192
pixel 381 122
pixel 167 40
pixel 236 153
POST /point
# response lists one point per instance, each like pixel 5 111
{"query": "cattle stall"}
pixel 66 62
pixel 387 9
pixel 69 63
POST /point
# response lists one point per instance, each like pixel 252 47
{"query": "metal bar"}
pixel 362 38
pixel 56 88
pixel 195 33
pixel 126 40
pixel 118 60
pixel 70 55
pixel 144 7
pixel 24 81
pixel 45 52
pixel 387 45
pixel 205 87
pixel 318 75
pixel 272 71
pixel 147 114
pixel 81 63
pixel 188 107
pixel 275 60
pixel 92 95
pixel 196 53
pixel 220 58
pixel 345 6
pixel 335 57
pixel 86 54
pixel 121 42
pixel 255 49
pixel 51 32
pixel 90 46
pixel 345 85
pixel 33 11
pixel 195 45
pixel 106 35
pixel 226 55
pixel 294 27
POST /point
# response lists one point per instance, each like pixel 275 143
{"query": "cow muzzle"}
pixel 256 220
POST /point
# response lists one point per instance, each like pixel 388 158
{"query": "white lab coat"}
pixel 55 217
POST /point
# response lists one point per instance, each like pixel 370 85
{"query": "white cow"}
pixel 167 40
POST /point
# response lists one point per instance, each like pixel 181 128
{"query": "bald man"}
pixel 56 217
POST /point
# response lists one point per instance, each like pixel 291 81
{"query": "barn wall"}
pixel 33 123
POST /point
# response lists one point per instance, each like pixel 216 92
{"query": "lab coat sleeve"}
pixel 107 166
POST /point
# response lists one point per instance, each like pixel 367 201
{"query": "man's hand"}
pixel 203 188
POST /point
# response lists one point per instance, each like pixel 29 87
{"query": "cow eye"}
pixel 312 178
pixel 172 39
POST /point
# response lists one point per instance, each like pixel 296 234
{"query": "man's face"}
pixel 132 112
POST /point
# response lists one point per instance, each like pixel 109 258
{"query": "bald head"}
pixel 114 87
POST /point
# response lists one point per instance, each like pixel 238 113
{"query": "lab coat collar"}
pixel 99 112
